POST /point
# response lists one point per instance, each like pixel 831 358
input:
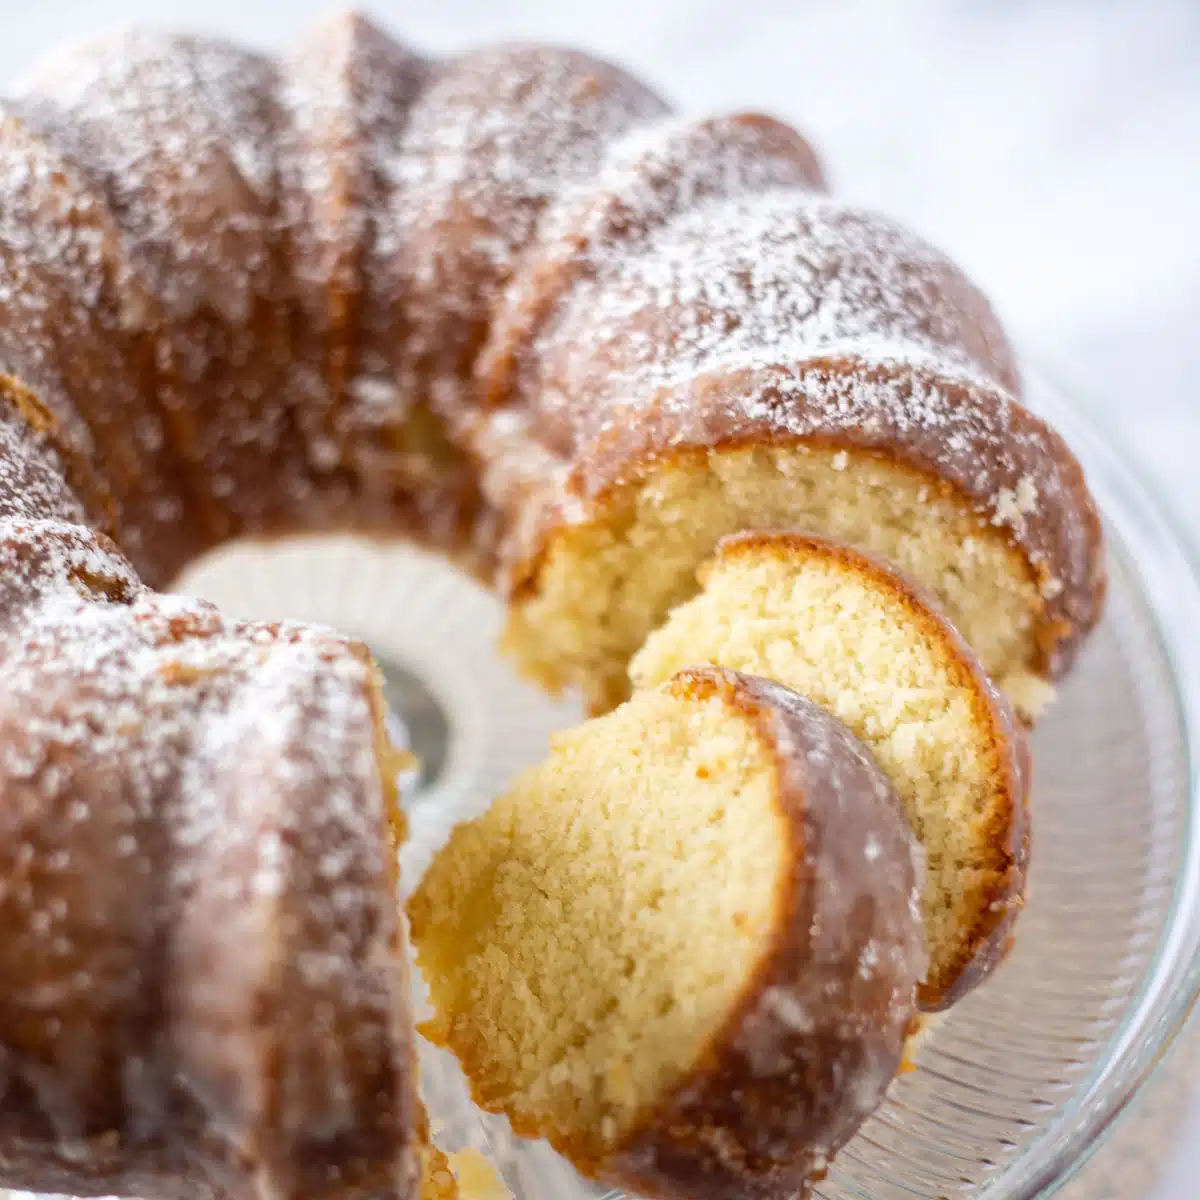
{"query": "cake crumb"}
pixel 477 1178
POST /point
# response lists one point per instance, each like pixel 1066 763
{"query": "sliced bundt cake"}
pixel 774 359
pixel 847 632
pixel 685 948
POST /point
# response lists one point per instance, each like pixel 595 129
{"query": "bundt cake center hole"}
pixel 417 721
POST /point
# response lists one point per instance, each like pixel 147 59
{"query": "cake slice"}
pixel 685 948
pixel 846 631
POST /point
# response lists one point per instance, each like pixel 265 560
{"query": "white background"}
pixel 1052 145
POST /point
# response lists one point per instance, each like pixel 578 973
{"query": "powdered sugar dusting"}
pixel 759 279
pixel 59 259
pixel 769 312
pixel 670 166
pixel 647 177
pixel 192 805
pixel 655 172
pixel 158 687
pixel 176 138
pixel 32 481
pixel 494 138
pixel 74 327
pixel 253 292
pixel 347 90
pixel 780 316
pixel 168 770
pixel 178 131
pixel 500 133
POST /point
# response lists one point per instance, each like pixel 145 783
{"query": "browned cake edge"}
pixel 774 1097
pixel 786 1082
pixel 1008 832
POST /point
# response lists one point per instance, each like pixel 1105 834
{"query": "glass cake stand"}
pixel 1018 1083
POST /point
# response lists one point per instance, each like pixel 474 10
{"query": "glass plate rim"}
pixel 1162 552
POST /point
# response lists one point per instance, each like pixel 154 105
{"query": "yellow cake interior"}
pixel 605 586
pixel 887 669
pixel 586 938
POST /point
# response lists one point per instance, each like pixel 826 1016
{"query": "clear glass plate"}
pixel 1017 1084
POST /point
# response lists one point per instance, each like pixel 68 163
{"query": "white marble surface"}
pixel 1052 145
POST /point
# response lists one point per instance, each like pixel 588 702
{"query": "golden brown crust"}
pixel 772 317
pixel 817 1030
pixel 382 462
pixel 492 141
pixel 189 177
pixel 437 1181
pixel 371 315
pixel 817 1035
pixel 349 91
pixel 1005 841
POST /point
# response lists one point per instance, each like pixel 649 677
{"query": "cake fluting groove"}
pixel 685 948
pixel 179 136
pixel 72 329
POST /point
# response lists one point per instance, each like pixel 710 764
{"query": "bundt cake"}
pixel 685 948
pixel 506 305
pixel 846 632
